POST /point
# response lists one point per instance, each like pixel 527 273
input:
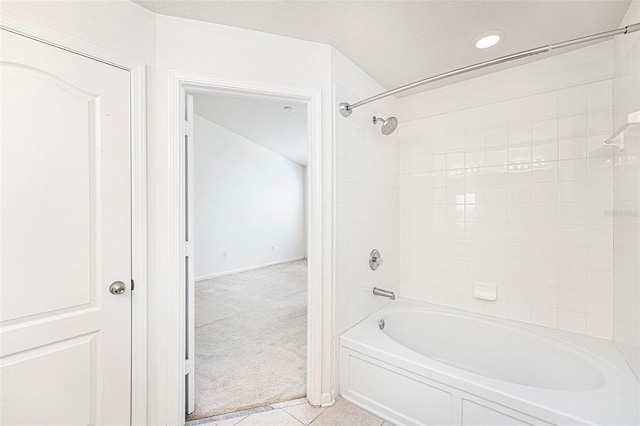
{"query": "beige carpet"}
pixel 251 339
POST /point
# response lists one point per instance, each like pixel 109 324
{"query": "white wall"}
pixel 249 203
pixel 504 180
pixel 626 181
pixel 366 196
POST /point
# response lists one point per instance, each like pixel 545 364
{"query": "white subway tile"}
pixel 519 155
pixel 496 175
pixel 544 316
pixel 474 159
pixel 572 104
pixel 519 111
pixel 575 322
pixel 573 235
pixel 544 234
pixel 573 257
pixel 572 278
pixel 544 254
pixel 544 192
pixel 600 259
pixel 544 171
pixel 475 176
pixel 601 99
pixel 569 214
pixel 496 156
pixel 600 237
pixel 519 311
pixel 519 134
pixel 573 192
pixel 455 160
pixel 545 214
pixel 519 194
pixel 519 172
pixel 600 304
pixel 496 137
pixel 519 213
pixel 600 168
pixel 544 150
pixel 572 127
pixel 545 296
pixel 496 213
pixel 544 106
pixel 474 139
pixel 545 130
pixel 600 326
pixel 544 275
pixel 572 170
pixel 600 122
pixel 455 141
pixel 495 115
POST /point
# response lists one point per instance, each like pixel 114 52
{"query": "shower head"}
pixel 388 125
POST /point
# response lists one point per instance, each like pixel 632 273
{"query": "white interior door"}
pixel 65 339
pixel 190 278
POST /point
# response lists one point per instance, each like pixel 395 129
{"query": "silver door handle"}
pixel 117 287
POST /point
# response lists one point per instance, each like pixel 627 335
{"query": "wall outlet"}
pixel 225 254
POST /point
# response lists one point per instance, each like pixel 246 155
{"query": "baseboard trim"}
pixel 248 268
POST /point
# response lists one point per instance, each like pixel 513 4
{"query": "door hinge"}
pixel 188 248
pixel 188 366
pixel 188 128
pixel 133 284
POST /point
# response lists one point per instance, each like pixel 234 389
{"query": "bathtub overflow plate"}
pixel 381 324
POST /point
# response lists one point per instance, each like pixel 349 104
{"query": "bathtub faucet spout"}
pixel 384 293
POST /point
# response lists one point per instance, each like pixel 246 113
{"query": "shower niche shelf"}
pixel 618 137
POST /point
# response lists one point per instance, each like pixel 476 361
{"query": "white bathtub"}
pixel 437 366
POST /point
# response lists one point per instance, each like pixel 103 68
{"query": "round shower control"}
pixel 375 259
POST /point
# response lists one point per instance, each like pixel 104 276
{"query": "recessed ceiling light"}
pixel 288 109
pixel 488 39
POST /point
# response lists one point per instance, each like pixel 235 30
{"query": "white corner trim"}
pixel 137 69
pixel 328 399
pixel 319 310
pixel 248 268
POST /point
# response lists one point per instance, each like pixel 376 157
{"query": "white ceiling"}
pixel 398 42
pixel 263 121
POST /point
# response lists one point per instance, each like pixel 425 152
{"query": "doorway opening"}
pixel 181 270
pixel 247 265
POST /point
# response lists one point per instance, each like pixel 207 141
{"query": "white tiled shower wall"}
pixel 366 198
pixel 366 213
pixel 516 192
pixel 626 183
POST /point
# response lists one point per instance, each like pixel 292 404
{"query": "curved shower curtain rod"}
pixel 346 108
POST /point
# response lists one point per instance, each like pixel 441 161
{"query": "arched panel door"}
pixel 65 230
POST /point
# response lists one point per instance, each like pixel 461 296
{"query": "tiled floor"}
pixel 342 413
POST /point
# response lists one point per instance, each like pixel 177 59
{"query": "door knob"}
pixel 117 287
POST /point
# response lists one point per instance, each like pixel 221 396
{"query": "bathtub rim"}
pixel 561 408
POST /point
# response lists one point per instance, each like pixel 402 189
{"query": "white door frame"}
pixel 179 83
pixel 137 70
